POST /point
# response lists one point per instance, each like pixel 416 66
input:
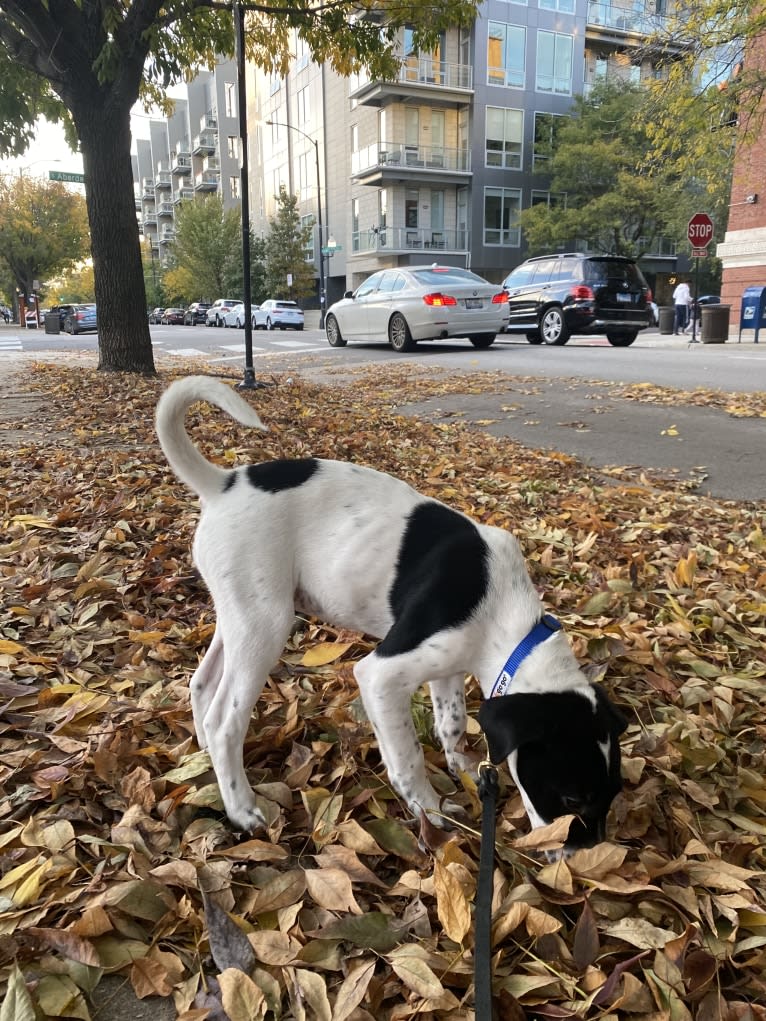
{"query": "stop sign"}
pixel 700 230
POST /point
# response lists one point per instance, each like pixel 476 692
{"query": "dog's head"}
pixel 564 754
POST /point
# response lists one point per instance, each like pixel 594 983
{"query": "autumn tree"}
pixel 609 190
pixel 89 63
pixel 285 251
pixel 43 229
pixel 207 252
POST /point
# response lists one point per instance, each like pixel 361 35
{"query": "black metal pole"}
pixel 695 306
pixel 248 381
pixel 322 281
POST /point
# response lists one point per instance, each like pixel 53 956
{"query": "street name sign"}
pixel 60 175
pixel 700 230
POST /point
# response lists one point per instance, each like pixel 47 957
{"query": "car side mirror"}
pixel 348 294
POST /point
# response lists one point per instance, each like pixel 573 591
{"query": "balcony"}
pixel 204 144
pixel 148 192
pixel 388 162
pixel 612 19
pixel 182 195
pixel 165 209
pixel 211 163
pixel 180 162
pixel 150 219
pixel 208 121
pixel 206 180
pixel 163 180
pixel 167 235
pixel 408 239
pixel 427 79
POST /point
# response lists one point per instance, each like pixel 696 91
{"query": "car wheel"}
pixel 334 337
pixel 399 336
pixel 269 324
pixel 208 322
pixel 534 337
pixel 552 327
pixel 482 340
pixel 621 338
pixel 298 328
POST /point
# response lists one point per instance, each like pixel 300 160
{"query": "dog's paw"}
pixel 247 819
pixel 458 763
pixel 447 815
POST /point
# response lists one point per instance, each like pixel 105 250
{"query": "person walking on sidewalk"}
pixel 682 299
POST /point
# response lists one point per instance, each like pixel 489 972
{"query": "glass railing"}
pixel 625 19
pixel 426 71
pixel 403 239
pixel 399 154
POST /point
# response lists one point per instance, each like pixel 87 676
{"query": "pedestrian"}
pixel 682 299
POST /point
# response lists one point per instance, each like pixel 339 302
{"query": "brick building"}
pixel 743 250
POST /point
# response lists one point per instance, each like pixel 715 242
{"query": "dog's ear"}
pixel 509 721
pixel 616 722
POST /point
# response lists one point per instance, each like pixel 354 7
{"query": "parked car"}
pixel 419 303
pixel 63 311
pixel 172 317
pixel 81 319
pixel 282 315
pixel 155 316
pixel 216 312
pixel 551 297
pixel 196 313
pixel 655 310
pixel 235 317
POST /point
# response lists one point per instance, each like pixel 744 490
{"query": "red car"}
pixel 173 317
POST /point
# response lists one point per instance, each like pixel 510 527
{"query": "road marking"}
pixel 291 343
pixel 187 352
pixel 11 344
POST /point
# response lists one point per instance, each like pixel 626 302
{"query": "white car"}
pixel 235 317
pixel 416 303
pixel 218 310
pixel 282 314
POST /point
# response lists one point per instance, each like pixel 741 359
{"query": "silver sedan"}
pixel 235 317
pixel 416 303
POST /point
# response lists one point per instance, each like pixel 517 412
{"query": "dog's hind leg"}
pixel 250 654
pixel 448 700
pixel 204 685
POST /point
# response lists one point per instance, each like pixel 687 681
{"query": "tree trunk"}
pixel 123 327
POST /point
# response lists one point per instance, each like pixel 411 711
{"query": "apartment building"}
pixel 437 164
pixel 193 152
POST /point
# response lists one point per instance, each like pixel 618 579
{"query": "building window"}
pixel 411 208
pixel 230 98
pixel 564 6
pixel 501 216
pixel 504 138
pixel 554 63
pixel 354 138
pixel 232 147
pixel 305 176
pixel 355 224
pixel 506 49
pixel 275 83
pixel 308 252
pixel 554 200
pixel 301 53
pixel 303 105
pixel 234 187
pixel 547 127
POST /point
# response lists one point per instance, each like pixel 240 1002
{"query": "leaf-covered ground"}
pixel 115 856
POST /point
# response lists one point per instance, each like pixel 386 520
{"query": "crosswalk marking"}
pixel 11 344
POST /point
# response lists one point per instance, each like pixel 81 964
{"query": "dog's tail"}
pixel 204 477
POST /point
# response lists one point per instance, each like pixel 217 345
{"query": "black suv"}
pixel 196 313
pixel 551 297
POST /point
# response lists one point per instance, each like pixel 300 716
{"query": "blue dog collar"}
pixel 543 629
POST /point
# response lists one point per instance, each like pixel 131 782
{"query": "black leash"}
pixel 482 969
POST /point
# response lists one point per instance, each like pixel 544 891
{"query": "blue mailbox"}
pixel 752 315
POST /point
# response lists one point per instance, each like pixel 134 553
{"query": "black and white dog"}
pixel 447 596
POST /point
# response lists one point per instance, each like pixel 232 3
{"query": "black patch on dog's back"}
pixel 274 476
pixel 230 482
pixel 442 575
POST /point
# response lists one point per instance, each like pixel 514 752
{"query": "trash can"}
pixel 52 322
pixel 667 318
pixel 715 324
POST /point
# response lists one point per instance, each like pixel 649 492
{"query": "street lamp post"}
pixel 322 287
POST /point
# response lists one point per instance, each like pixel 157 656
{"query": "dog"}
pixel 445 595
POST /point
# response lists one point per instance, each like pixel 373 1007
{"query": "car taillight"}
pixel 500 298
pixel 649 294
pixel 581 293
pixel 438 299
pixel 80 315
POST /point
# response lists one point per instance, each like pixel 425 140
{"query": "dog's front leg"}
pixel 386 688
pixel 448 700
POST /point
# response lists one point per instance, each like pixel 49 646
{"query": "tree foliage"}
pixel 74 286
pixel 285 251
pixel 208 247
pixel 610 191
pixel 90 63
pixel 43 229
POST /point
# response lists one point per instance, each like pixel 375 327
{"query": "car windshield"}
pixel 286 304
pixel 441 275
pixel 612 271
